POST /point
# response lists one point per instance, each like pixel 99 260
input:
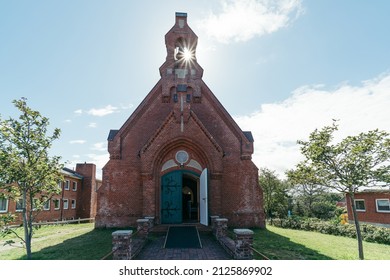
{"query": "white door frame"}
pixel 203 203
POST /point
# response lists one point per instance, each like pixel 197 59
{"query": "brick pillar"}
pixel 121 244
pixel 220 227
pixel 151 221
pixel 143 227
pixel 243 241
pixel 212 223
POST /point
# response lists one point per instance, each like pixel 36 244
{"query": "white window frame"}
pixel 74 186
pixel 34 203
pixel 361 210
pixel 6 206
pixel 67 185
pixel 20 200
pixel 59 204
pixel 47 203
pixel 73 204
pixel 376 205
pixel 65 206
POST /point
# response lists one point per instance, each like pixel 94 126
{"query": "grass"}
pixel 83 242
pixel 288 244
pixel 63 242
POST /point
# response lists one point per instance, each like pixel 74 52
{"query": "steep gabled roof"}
pixel 112 134
pixel 249 136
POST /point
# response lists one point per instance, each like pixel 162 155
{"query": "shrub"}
pixel 370 233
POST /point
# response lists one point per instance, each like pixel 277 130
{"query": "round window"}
pixel 182 157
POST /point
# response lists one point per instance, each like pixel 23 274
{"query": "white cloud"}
pixel 277 127
pixel 67 121
pixel 101 146
pixel 100 161
pixel 92 125
pixel 126 107
pixel 241 20
pixel 78 112
pixel 103 111
pixel 77 141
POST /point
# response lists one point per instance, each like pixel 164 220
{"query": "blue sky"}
pixel 281 68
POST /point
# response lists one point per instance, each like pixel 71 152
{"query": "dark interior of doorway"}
pixel 190 199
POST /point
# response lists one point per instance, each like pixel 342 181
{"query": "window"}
pixel 383 205
pixel 74 186
pixel 66 186
pixel 19 205
pixel 56 204
pixel 66 203
pixel 73 203
pixel 360 205
pixel 46 205
pixel 3 205
pixel 35 203
pixel 60 185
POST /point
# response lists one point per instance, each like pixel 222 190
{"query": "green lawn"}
pixel 63 242
pixel 83 242
pixel 288 244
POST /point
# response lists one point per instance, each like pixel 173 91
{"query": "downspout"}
pixel 62 202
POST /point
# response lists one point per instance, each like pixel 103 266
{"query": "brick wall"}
pixel 53 213
pixel 370 215
pixel 179 113
pixel 77 198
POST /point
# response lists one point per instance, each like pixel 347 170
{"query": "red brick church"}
pixel 180 157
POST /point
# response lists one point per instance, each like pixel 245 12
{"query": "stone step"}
pixel 163 228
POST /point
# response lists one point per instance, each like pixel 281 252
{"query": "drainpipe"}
pixel 62 201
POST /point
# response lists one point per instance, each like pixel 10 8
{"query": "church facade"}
pixel 180 157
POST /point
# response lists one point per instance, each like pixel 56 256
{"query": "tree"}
pixel 310 198
pixel 305 188
pixel 357 162
pixel 324 207
pixel 28 174
pixel 276 200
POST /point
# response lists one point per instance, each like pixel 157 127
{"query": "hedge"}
pixel 370 233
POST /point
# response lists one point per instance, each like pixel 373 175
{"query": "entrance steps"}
pixel 163 228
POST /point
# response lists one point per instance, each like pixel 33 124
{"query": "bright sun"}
pixel 187 54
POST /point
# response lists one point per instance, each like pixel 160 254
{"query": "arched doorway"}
pixel 183 197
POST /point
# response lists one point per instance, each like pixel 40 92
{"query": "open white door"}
pixel 203 204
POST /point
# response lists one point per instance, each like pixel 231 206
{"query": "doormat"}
pixel 182 237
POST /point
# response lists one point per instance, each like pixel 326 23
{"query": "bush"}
pixel 370 233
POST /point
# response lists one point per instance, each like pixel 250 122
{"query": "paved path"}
pixel 211 250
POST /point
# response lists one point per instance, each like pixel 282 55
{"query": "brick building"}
pixel 76 200
pixel 372 206
pixel 180 157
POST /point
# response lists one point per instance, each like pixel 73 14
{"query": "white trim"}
pixel 67 185
pixel 16 205
pixel 74 186
pixel 44 204
pixel 59 204
pixel 6 206
pixel 376 205
pixel 67 203
pixel 71 175
pixel 361 210
pixel 73 206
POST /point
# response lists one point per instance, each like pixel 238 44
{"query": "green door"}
pixel 171 198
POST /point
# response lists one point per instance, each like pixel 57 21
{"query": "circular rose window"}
pixel 182 157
